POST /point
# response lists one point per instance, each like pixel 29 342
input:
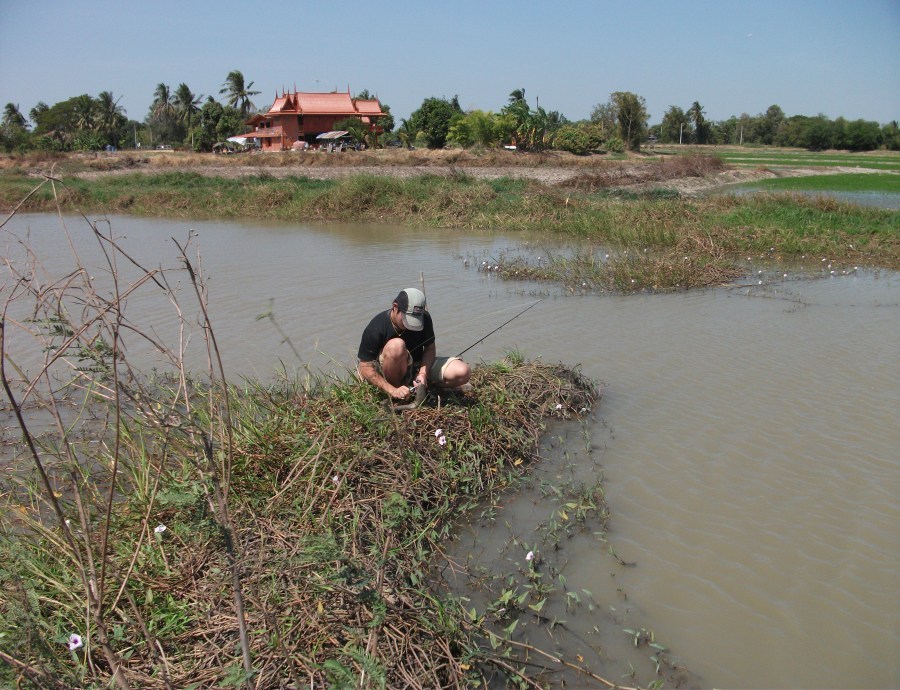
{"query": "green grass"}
pixel 340 509
pixel 842 182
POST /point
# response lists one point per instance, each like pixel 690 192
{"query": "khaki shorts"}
pixel 435 374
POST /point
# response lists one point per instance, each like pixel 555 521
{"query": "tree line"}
pixel 183 118
pixel 177 117
pixel 622 123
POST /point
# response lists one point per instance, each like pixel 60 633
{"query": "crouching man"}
pixel 397 351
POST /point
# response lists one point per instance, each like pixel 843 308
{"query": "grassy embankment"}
pixel 655 240
pixel 181 531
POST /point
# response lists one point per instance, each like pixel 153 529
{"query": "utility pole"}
pixel 680 131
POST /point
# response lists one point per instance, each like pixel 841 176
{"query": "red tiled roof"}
pixel 369 107
pixel 305 103
pixel 325 103
pixel 283 104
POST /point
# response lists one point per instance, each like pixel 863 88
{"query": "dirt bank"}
pixel 638 172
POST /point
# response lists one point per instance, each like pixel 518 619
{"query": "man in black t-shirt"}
pixel 397 349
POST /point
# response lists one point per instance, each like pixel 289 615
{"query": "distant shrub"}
pixel 615 145
pixel 572 139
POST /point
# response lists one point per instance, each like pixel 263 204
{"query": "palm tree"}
pixel 37 111
pixel 696 114
pixel 187 105
pixel 163 105
pixel 84 112
pixel 238 93
pixel 517 95
pixel 13 117
pixel 110 115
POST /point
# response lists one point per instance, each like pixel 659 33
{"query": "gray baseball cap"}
pixel 411 303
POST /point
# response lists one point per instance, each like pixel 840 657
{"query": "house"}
pixel 302 116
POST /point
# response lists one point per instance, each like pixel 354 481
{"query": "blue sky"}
pixel 733 56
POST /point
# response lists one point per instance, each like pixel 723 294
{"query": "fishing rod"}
pixel 499 327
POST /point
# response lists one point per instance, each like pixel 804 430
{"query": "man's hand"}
pixel 401 393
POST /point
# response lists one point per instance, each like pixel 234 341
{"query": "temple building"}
pixel 301 117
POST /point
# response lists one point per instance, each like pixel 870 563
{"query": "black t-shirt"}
pixel 380 330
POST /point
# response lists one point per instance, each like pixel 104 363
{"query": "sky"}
pixel 732 56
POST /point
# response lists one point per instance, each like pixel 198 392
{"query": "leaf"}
pixel 538 606
pixel 512 626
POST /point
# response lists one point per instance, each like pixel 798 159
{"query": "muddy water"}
pixel 748 437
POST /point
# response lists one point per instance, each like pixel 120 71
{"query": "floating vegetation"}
pixel 584 271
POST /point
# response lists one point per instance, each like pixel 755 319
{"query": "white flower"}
pixel 438 432
pixel 442 440
pixel 529 556
pixel 558 406
pixel 159 529
pixel 336 479
pixel 75 642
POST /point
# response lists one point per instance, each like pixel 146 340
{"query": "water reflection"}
pixel 749 436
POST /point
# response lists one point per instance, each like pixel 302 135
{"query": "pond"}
pixel 748 436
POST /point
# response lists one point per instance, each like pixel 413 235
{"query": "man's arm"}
pixel 428 355
pixel 370 374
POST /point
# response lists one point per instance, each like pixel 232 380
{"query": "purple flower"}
pixel 75 642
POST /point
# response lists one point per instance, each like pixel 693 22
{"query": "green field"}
pixel 881 183
pixel 756 157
